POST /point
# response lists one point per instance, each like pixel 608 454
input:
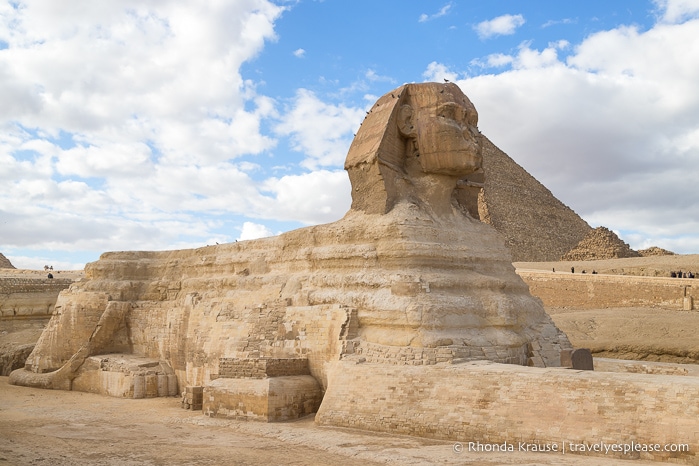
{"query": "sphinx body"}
pixel 366 321
pixel 409 276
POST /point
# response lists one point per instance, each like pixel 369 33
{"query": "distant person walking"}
pixel 572 270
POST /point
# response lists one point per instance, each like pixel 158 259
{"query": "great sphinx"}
pixel 409 276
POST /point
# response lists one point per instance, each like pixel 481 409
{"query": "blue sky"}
pixel 149 125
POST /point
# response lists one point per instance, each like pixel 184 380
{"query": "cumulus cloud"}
pixel 319 130
pixel 610 130
pixel 252 230
pixel 320 196
pixel 299 53
pixel 504 25
pixel 676 11
pixel 438 72
pixel 119 120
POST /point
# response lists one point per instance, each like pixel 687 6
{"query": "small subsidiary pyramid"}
pixel 600 243
pixel 655 251
pixel 5 262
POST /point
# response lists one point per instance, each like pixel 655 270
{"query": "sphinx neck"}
pixel 434 193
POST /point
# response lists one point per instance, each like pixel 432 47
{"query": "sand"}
pixel 45 427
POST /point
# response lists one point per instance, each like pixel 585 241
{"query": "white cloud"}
pixel 676 11
pixel 299 53
pixel 321 131
pixel 442 12
pixel 317 197
pixel 38 263
pixel 167 72
pixel 504 25
pixel 498 60
pixel 122 121
pixel 252 230
pixel 611 131
pixel 438 72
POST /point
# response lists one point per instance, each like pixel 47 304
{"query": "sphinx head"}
pixel 413 132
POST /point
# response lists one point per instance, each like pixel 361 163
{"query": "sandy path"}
pixel 43 427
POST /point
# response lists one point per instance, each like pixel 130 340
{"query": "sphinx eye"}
pixel 449 111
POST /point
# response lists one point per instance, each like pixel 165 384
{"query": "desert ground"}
pixel 639 333
pixel 42 427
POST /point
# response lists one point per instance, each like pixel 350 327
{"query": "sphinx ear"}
pixel 406 123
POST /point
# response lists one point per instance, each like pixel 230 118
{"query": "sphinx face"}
pixel 447 135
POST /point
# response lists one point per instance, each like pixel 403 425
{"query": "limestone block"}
pixel 123 376
pixel 269 399
pixel 496 403
pixel 192 398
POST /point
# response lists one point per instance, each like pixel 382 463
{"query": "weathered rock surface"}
pixel 24 302
pixel 14 358
pixel 600 243
pixel 408 276
pixel 29 297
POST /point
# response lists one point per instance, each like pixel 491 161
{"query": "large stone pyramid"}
pixel 5 262
pixel 536 225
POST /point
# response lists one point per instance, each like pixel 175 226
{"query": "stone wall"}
pixel 588 291
pixel 29 297
pixel 406 355
pixel 233 368
pixel 496 403
pixel 646 367
pixel 269 399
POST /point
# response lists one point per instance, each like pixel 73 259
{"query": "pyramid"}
pixel 5 262
pixel 655 251
pixel 537 227
pixel 600 243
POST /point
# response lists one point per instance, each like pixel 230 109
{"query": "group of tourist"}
pixel 681 274
pixel 572 270
pixel 673 274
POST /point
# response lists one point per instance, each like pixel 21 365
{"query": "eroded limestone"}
pixel 409 276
